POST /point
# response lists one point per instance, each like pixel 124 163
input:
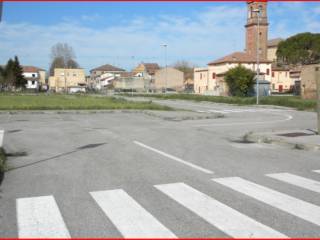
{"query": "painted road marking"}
pixel 317 171
pixel 131 219
pixel 1 137
pixel 39 217
pixel 174 158
pixel 294 206
pixel 216 213
pixel 302 182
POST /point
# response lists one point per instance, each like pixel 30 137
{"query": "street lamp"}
pixel 258 11
pixel 165 59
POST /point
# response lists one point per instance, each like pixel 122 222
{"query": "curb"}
pixel 1 137
pixel 279 141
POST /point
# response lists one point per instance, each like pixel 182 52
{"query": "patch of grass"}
pixel 71 102
pixel 284 101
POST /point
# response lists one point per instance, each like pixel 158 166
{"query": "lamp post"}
pixel 165 59
pixel 258 11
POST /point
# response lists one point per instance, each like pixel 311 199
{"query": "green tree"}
pixel 2 78
pixel 240 81
pixel 20 81
pixel 9 74
pixel 303 48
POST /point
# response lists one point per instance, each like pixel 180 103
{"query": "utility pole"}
pixel 317 78
pixel 258 11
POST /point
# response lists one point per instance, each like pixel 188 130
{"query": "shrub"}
pixel 240 81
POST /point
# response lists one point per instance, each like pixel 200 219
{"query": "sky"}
pixel 127 33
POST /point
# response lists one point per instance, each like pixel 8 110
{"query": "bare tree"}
pixel 62 56
pixel 185 67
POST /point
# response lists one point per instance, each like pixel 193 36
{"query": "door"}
pixel 280 88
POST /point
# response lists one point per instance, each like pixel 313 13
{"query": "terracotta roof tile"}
pixel 238 57
pixel 31 69
pixel 108 68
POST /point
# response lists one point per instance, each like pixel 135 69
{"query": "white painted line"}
pixel 131 219
pixel 1 137
pixel 39 217
pixel 317 171
pixel 288 118
pixel 218 214
pixel 302 182
pixel 174 158
pixel 291 205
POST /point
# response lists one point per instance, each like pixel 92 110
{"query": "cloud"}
pixel 197 37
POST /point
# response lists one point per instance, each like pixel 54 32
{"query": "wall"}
pixel 134 83
pixel 271 54
pixel 29 84
pixel 200 80
pixel 172 78
pixel 210 80
pixel 66 78
pixel 31 74
pixel 42 77
pixel 281 77
pixel 308 82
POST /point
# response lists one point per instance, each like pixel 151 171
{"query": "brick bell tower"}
pixel 252 29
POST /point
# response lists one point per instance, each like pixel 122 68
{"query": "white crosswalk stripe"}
pixel 131 219
pixel 39 217
pixel 302 182
pixel 291 205
pixel 216 213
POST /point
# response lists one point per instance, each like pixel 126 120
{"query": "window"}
pixel 200 75
pixel 268 71
pixel 213 75
pixel 33 75
pixel 272 74
pixel 33 82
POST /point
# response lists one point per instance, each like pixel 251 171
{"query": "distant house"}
pixel 210 80
pixel 102 75
pixel 169 78
pixel 281 80
pixel 36 77
pixel 146 70
pixel 67 80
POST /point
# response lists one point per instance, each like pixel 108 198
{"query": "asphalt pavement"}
pixel 157 174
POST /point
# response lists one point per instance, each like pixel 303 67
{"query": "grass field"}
pixel 285 101
pixel 71 102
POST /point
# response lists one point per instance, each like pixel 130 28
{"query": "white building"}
pixel 210 80
pixel 35 77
